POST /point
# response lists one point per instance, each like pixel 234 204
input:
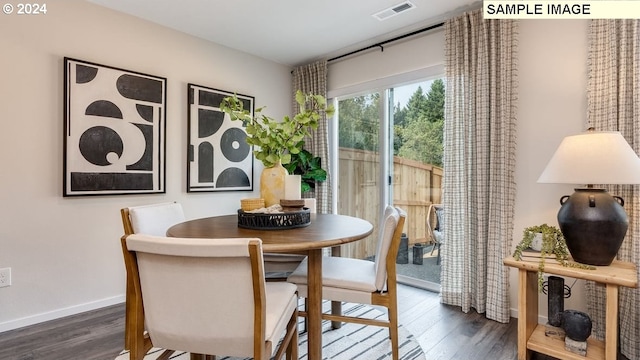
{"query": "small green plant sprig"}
pixel 553 244
pixel 277 140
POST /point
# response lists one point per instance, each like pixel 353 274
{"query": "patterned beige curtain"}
pixel 614 105
pixel 479 161
pixel 312 78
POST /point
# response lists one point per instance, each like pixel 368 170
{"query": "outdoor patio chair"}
pixel 435 218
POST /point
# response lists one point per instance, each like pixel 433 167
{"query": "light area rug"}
pixel 351 341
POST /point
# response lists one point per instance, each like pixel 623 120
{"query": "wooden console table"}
pixel 531 335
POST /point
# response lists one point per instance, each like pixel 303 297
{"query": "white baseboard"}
pixel 514 313
pixel 59 313
pixel 541 318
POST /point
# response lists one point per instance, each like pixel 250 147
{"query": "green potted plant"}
pixel 553 247
pixel 309 167
pixel 274 142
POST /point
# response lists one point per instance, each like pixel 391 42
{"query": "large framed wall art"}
pixel 114 130
pixel 219 158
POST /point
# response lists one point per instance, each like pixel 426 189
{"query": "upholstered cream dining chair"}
pixel 208 296
pixel 362 281
pixel 153 219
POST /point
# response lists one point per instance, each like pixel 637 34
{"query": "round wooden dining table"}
pixel 324 231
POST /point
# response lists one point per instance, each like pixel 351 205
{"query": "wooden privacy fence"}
pixel 415 187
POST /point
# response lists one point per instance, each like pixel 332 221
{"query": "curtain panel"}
pixel 312 78
pixel 613 99
pixel 479 162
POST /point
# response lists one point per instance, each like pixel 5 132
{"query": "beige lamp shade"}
pixel 593 157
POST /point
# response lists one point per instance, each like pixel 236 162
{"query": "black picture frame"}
pixel 114 130
pixel 218 156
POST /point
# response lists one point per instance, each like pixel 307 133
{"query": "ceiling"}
pixel 291 32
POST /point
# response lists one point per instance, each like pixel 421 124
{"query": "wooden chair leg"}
pixel 166 355
pixel 393 327
pixel 292 348
pixel 336 306
pixel 336 309
pixel 304 320
pixel 128 335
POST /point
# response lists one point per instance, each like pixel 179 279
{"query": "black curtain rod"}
pixel 388 41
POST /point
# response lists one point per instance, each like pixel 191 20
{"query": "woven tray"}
pixel 286 220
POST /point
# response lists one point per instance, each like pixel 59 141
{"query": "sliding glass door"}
pixel 418 118
pixel 359 174
pixel 389 151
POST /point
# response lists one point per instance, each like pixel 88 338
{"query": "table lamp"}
pixel 593 222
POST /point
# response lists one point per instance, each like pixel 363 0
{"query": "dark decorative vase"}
pixel 594 225
pixel 555 300
pixel 576 325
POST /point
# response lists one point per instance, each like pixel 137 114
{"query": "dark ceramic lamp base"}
pixel 594 224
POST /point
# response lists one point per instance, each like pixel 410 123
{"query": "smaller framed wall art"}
pixel 219 158
pixel 114 130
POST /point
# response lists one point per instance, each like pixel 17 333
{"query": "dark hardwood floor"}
pixel 95 335
pixel 444 332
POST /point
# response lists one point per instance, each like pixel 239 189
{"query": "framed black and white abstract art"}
pixel 219 158
pixel 114 130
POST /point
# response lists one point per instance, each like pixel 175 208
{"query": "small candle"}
pixel 292 184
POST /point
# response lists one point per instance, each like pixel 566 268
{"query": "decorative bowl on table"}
pixel 292 205
pixel 274 221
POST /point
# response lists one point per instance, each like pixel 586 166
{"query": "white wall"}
pixel 552 104
pixel 373 66
pixel 65 252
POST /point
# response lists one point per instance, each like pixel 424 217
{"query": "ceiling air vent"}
pixel 394 10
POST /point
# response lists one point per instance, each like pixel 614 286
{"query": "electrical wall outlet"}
pixel 5 277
